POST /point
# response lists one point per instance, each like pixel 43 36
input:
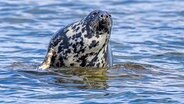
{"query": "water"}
pixel 147 42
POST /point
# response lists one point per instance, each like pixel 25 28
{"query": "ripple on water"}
pixel 147 42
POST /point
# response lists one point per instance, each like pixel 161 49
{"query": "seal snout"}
pixel 104 21
pixel 104 16
pixel 99 21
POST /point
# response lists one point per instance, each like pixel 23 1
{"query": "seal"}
pixel 84 43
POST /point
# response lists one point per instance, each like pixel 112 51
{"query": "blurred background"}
pixel 147 40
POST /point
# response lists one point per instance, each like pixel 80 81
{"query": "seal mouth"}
pixel 103 26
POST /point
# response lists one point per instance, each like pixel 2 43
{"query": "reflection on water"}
pixel 86 78
pixel 148 52
pixel 82 78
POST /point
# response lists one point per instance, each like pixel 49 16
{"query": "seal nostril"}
pixel 102 15
pixel 106 16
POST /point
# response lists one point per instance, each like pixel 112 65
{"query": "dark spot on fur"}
pixel 60 48
pixel 61 60
pixel 77 28
pixel 83 29
pixel 98 64
pixel 76 55
pixel 105 56
pixel 73 37
pixel 65 56
pixel 58 65
pixel 97 35
pixel 73 27
pixel 78 60
pixel 103 65
pixel 74 48
pixel 72 64
pixel 94 43
pixel 78 35
pixel 95 58
pixel 92 53
pixel 82 50
pixel 68 51
pixel 69 37
pixel 90 32
pixel 88 36
pixel 83 60
pixel 83 24
pixel 53 60
pixel 81 42
pixel 92 63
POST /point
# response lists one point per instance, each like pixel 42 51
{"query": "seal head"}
pixel 82 44
pixel 99 22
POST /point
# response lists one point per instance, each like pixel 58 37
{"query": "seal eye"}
pixel 95 13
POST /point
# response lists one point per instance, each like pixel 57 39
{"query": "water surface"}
pixel 147 42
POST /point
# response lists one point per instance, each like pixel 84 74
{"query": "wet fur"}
pixel 79 45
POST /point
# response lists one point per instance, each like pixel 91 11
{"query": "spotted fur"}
pixel 82 44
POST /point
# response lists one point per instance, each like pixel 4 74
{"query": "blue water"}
pixel 148 50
